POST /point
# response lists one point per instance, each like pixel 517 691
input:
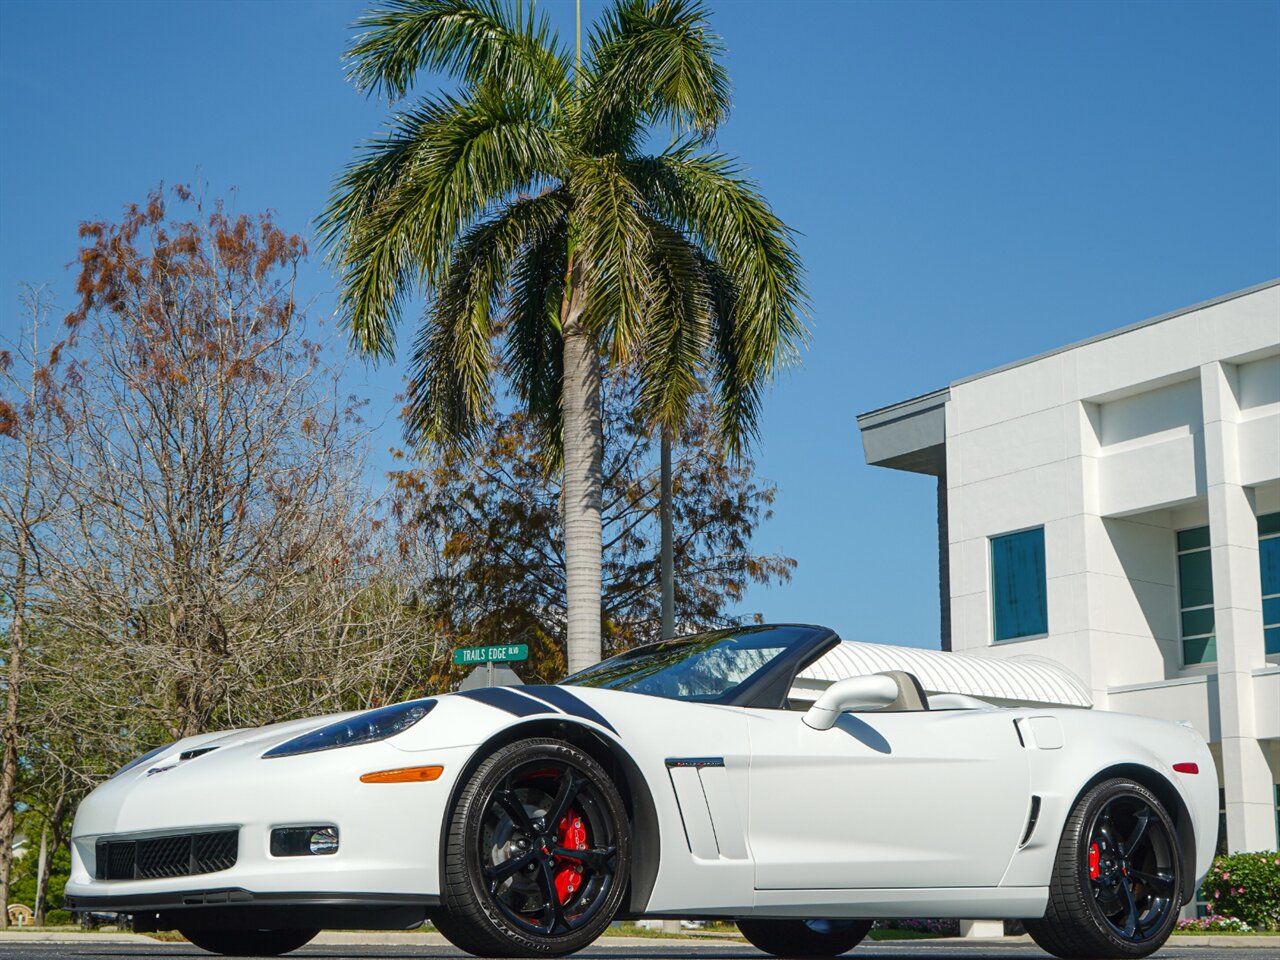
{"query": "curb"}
pixel 40 936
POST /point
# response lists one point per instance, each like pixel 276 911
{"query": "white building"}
pixel 1115 506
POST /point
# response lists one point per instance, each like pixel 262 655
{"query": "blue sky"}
pixel 972 183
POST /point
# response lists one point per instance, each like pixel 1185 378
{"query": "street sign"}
pixel 499 654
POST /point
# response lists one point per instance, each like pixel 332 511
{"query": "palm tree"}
pixel 548 244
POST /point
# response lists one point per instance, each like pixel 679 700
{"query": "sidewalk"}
pixel 69 936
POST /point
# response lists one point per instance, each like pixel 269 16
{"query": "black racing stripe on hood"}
pixel 568 702
pixel 503 698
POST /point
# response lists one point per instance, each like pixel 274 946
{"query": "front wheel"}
pixel 804 938
pixel 537 854
pixel 249 943
pixel 1114 893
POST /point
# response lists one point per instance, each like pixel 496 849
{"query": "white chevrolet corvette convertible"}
pixel 684 779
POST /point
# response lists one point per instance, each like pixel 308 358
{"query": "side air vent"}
pixel 1031 820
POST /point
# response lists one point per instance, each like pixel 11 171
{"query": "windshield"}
pixel 704 667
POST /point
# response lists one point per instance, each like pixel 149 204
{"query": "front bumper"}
pixel 385 871
pixel 232 907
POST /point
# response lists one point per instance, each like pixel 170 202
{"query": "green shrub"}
pixel 57 918
pixel 1246 886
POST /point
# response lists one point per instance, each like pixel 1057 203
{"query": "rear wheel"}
pixel 537 854
pixel 249 943
pixel 804 938
pixel 1115 889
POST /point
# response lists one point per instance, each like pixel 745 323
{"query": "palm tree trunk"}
pixel 583 482
pixel 667 562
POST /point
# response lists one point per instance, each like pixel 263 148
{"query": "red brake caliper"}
pixel 573 836
pixel 1095 857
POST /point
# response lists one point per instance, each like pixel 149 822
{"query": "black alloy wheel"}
pixel 537 853
pixel 1131 868
pixel 1116 887
pixel 804 938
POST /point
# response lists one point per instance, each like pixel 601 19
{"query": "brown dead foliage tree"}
pixel 33 424
pixel 223 566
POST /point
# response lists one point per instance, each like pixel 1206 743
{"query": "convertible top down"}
pixel 716 775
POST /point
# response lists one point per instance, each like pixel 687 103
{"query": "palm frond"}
pixel 477 41
pixel 708 199
pixel 678 327
pixel 396 212
pixel 533 357
pixel 654 60
pixel 450 387
pixel 738 388
pixel 613 240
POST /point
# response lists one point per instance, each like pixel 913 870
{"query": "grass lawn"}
pixel 628 929
pixel 903 935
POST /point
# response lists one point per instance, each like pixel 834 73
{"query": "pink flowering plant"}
pixel 1245 886
pixel 1213 924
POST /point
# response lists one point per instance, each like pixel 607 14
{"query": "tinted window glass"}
pixel 1020 606
pixel 1195 596
pixel 1195 579
pixel 705 667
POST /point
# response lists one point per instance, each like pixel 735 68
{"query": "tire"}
pixel 804 938
pixel 249 943
pixel 1115 889
pixel 537 854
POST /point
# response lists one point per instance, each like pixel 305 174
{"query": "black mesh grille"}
pixel 215 851
pixel 164 857
pixel 118 858
pixel 179 855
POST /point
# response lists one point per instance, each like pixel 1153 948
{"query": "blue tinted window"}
pixel 1020 606
pixel 1199 650
pixel 1269 560
pixel 1195 597
pixel 1269 557
pixel 1271 612
pixel 1195 579
pixel 1197 538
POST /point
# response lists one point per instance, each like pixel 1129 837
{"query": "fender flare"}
pixel 622 769
pixel 1167 794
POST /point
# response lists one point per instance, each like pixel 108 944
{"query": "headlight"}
pixel 139 761
pixel 364 728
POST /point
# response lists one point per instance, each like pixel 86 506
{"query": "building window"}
pixel 1195 597
pixel 1269 558
pixel 1019 597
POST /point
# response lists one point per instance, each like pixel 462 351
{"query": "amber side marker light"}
pixel 1187 767
pixel 403 775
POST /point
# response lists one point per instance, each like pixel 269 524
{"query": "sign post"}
pixel 503 653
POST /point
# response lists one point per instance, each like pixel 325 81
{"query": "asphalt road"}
pixel 659 950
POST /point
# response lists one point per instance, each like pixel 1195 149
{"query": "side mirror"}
pixel 851 694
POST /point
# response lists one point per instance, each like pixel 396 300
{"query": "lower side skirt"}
pixel 236 908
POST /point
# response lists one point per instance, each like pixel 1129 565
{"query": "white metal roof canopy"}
pixel 1023 679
